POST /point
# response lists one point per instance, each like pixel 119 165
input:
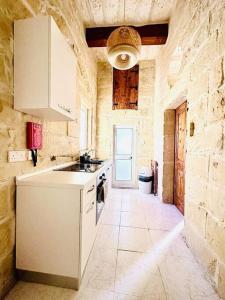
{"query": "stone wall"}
pixel 61 139
pixel 168 156
pixel 196 47
pixel 141 118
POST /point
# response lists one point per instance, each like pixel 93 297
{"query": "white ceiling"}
pixel 97 13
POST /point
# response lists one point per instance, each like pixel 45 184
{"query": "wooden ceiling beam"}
pixel 155 34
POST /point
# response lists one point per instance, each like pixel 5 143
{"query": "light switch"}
pixel 192 128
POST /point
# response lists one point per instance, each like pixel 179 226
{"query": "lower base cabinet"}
pixel 55 229
pixel 55 232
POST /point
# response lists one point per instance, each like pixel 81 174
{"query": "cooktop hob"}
pixel 81 167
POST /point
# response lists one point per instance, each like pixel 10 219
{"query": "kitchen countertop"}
pixel 60 179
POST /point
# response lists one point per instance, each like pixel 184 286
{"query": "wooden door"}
pixel 180 150
pixel 125 88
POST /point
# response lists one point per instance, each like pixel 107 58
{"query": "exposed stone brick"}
pixel 216 74
pixel 5 238
pixel 215 235
pixel 201 250
pixel 221 281
pixel 215 201
pixel 196 190
pixel 197 216
pixel 216 108
pixel 7 273
pixel 217 171
pixel 198 87
pixel 3 201
pixel 168 156
pixel 197 166
pixel 197 113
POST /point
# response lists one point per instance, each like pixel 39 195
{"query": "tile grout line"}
pixel 164 288
pixel 135 227
pixel 117 250
pixel 148 229
pixel 162 281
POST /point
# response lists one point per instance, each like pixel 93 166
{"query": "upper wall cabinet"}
pixel 44 70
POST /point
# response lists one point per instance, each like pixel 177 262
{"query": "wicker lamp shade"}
pixel 123 47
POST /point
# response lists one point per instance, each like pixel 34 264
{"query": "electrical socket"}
pixel 29 156
pixel 17 155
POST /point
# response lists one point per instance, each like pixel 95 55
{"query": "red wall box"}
pixel 34 136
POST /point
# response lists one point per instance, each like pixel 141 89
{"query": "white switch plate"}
pixel 17 155
pixel 29 157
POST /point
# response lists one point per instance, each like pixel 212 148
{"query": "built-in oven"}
pixel 102 190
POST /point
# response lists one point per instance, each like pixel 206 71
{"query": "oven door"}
pixel 100 201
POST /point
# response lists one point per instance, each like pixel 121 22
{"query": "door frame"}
pixel 166 183
pixel 125 184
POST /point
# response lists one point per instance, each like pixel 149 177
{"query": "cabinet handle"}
pixel 64 108
pixel 91 189
pixel 90 208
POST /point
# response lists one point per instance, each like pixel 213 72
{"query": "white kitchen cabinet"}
pixel 55 227
pixel 44 70
pixel 47 231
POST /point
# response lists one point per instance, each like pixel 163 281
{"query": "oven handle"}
pixel 91 189
pixel 102 182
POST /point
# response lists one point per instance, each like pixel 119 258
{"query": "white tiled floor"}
pixel 139 254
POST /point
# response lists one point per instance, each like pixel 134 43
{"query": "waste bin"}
pixel 145 180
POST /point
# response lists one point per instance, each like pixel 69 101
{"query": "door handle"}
pixel 91 189
pixel 64 108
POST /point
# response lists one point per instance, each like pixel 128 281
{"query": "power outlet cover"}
pixel 17 155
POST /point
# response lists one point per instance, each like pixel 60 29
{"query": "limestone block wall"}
pixel 168 156
pixel 141 118
pixel 197 34
pixel 61 139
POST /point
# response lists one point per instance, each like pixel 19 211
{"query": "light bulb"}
pixel 123 56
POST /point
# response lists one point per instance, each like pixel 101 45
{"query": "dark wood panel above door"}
pixel 125 88
pixel 154 34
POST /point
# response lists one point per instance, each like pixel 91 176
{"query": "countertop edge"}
pixel 21 180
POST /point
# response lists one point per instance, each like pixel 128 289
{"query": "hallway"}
pixel 139 254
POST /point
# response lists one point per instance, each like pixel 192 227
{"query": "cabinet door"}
pixel 63 73
pixel 31 71
pixel 88 193
pixel 88 231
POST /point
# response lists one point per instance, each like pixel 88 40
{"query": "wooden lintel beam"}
pixel 155 34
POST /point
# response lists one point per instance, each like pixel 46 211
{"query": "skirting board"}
pixel 49 279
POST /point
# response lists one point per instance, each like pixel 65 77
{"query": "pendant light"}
pixel 123 47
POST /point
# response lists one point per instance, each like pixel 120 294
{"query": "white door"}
pixel 123 156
